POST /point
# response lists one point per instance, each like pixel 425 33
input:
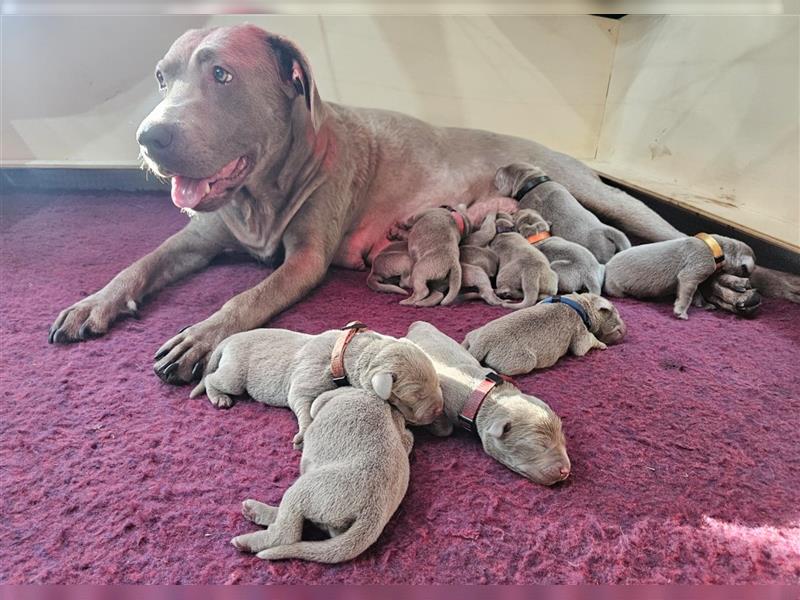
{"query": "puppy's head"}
pixel 232 100
pixel 740 260
pixel 524 434
pixel 607 325
pixel 529 222
pixel 509 179
pixel 404 376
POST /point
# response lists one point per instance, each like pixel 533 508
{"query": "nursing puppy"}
pixel 675 267
pixel 519 431
pixel 535 338
pixel 393 263
pixel 523 271
pixel 576 267
pixel 353 476
pixel 433 246
pixel 567 218
pixel 478 266
pixel 285 368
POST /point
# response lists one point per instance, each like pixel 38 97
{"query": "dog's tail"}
pixel 364 532
pixel 530 291
pixel 212 365
pixel 375 283
pixel 453 283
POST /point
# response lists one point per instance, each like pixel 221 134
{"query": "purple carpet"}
pixel 683 439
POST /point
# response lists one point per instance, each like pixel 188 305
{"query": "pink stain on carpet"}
pixel 684 439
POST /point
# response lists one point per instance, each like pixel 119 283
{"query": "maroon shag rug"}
pixel 684 439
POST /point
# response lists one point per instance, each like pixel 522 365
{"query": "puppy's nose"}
pixel 156 136
pixel 564 471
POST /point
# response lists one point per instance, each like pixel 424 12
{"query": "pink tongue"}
pixel 187 193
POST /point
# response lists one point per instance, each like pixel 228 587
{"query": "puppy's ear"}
pixel 295 73
pixel 382 384
pixel 602 304
pixel 499 428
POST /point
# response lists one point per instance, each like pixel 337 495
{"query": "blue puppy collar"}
pixel 573 305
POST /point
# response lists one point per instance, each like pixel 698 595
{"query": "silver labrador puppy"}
pixel 353 476
pixel 264 165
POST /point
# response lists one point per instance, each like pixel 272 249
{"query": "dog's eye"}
pixel 162 85
pixel 221 75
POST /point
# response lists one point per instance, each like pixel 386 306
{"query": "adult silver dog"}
pixel 265 165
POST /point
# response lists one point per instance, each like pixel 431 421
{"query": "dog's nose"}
pixel 156 136
pixel 564 471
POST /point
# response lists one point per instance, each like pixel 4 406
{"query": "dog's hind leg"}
pixel 259 513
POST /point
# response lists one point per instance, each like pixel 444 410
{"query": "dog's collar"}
pixel 504 228
pixel 538 237
pixel 461 222
pixel 529 185
pixel 573 305
pixel 716 249
pixel 469 413
pixel 349 331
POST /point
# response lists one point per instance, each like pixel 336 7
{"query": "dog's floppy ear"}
pixel 382 384
pixel 295 71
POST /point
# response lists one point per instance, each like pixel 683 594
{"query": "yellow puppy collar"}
pixel 716 249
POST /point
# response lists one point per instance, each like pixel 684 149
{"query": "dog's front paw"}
pixel 88 318
pixel 731 293
pixel 183 358
pixel 297 441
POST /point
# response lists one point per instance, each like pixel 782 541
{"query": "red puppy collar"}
pixel 461 223
pixel 469 413
pixel 349 331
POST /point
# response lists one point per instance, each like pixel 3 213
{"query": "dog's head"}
pixel 740 260
pixel 509 179
pixel 404 376
pixel 529 222
pixel 233 99
pixel 524 434
pixel 607 324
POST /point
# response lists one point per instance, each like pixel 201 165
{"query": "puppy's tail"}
pixel 213 363
pixel 619 239
pixel 364 531
pixel 374 282
pixel 530 290
pixel 453 283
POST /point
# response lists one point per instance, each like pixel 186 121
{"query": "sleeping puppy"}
pixel 567 218
pixel 535 338
pixel 353 476
pixel 393 263
pixel 576 267
pixel 519 431
pixel 676 267
pixel 285 368
pixel 433 246
pixel 523 271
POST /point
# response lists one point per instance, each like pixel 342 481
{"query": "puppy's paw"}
pixel 259 513
pixel 219 400
pixel 682 315
pixel 601 346
pixel 297 441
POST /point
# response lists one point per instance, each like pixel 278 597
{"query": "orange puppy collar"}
pixel 538 237
pixel 716 249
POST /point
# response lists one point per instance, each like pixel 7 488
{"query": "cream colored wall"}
pixel 75 88
pixel 705 110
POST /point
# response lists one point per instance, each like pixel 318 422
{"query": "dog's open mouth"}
pixel 189 193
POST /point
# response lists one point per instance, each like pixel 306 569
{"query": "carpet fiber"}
pixel 683 439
